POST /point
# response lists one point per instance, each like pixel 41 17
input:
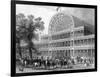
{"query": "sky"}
pixel 38 11
pixel 46 12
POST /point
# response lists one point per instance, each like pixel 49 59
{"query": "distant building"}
pixel 68 36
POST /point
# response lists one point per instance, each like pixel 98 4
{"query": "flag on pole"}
pixel 57 9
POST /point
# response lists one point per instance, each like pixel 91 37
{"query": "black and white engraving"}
pixel 50 38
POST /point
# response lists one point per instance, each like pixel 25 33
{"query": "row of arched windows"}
pixel 68 35
pixel 61 36
pixel 87 41
pixel 59 53
pixel 79 42
pixel 85 52
pixel 66 53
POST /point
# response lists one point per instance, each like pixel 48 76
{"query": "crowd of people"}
pixel 41 63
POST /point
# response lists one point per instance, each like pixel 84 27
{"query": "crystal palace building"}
pixel 68 36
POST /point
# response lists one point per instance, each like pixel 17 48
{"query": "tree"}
pixel 25 30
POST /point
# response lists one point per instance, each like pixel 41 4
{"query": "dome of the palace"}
pixel 63 21
pixel 59 22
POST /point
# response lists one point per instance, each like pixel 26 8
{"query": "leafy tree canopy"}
pixel 25 29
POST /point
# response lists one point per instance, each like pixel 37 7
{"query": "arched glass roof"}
pixel 59 22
